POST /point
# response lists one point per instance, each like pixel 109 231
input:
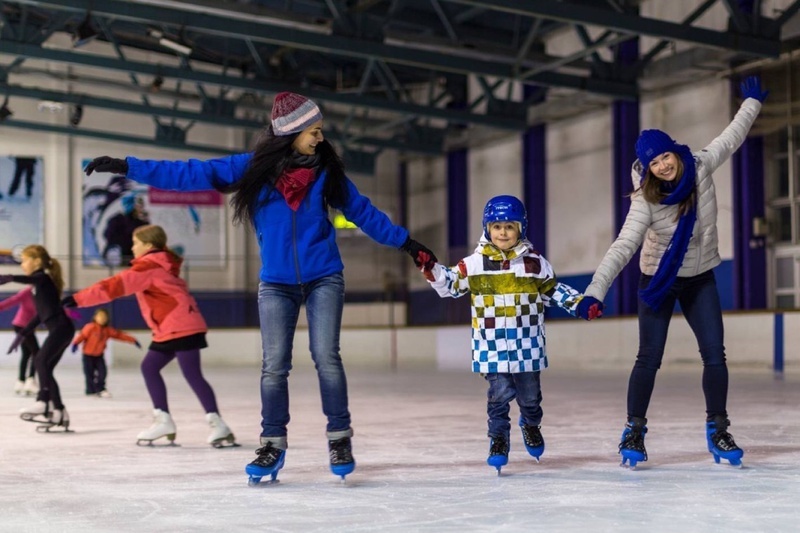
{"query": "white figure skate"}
pixel 163 426
pixel 220 432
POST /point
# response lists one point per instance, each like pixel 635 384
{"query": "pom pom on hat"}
pixel 292 113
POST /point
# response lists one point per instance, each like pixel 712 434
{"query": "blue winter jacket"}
pixel 296 246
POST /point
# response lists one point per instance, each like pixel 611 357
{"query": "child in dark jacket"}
pixel 179 330
pixel 94 337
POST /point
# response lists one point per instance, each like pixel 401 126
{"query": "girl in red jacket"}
pixel 94 337
pixel 26 382
pixel 179 330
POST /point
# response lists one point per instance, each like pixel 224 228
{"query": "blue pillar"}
pixel 534 178
pixel 626 130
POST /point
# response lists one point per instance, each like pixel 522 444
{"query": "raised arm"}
pixel 448 282
pixel 131 281
pixel 16 299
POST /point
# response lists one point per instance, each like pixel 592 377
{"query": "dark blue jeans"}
pixel 699 301
pixel 278 309
pixel 503 388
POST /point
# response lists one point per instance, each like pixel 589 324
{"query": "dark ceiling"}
pixel 388 73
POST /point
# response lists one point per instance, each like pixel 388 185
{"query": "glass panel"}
pixel 785 301
pixel 783 224
pixel 784 273
pixel 783 140
pixel 782 177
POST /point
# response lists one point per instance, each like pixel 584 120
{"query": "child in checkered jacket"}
pixel 509 283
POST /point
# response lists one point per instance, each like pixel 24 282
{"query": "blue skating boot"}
pixel 720 442
pixel 498 452
pixel 534 442
pixel 631 446
pixel 341 454
pixel 269 461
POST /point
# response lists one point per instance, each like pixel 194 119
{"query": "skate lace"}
pixel 724 441
pixel 634 440
pixel 268 455
pixel 340 451
pixel 499 446
pixel 532 436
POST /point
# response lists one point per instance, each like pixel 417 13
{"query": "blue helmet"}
pixel 505 208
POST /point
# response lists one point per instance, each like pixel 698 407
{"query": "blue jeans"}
pixel 278 309
pixel 699 301
pixel 503 388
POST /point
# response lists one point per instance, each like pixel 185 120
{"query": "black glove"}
pixel 17 341
pixel 107 164
pixel 137 344
pixel 6 278
pixel 413 248
pixel 68 301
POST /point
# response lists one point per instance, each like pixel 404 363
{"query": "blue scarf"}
pixel 655 293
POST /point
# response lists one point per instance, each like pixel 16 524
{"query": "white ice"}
pixel 420 447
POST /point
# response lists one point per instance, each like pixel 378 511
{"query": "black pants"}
pixel 29 347
pixel 24 166
pixel 95 370
pixel 60 333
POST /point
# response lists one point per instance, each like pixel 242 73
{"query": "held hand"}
pixel 107 164
pixel 427 265
pixel 68 301
pixel 138 344
pixel 590 308
pixel 413 248
pixel 6 278
pixel 14 345
pixel 751 88
pixel 74 348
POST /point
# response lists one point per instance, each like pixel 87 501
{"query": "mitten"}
pixel 751 88
pixel 74 348
pixel 6 278
pixel 590 308
pixel 107 164
pixel 14 345
pixel 138 344
pixel 413 248
pixel 427 265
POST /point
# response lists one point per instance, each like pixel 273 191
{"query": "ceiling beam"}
pixel 263 31
pixel 630 23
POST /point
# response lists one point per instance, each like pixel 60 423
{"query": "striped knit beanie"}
pixel 292 113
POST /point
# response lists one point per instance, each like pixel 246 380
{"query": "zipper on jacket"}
pixel 294 243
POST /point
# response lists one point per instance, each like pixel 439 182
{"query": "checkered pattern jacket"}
pixel 509 291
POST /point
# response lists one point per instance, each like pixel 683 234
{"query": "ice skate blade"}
pixel 36 419
pixel 256 482
pixel 221 443
pixel 149 443
pixel 53 428
pixel 343 470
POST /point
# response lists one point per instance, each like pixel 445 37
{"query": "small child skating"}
pixel 26 380
pixel 509 283
pixel 94 337
pixel 44 274
pixel 179 330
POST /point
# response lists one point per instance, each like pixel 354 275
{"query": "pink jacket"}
pixel 164 300
pixel 27 308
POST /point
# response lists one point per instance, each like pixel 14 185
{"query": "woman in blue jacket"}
pixel 284 189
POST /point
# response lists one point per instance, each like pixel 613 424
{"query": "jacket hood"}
pixel 163 259
pixel 485 247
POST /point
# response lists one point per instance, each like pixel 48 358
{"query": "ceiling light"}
pixel 84 33
pixel 175 47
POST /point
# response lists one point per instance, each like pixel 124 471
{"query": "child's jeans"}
pixel 525 387
pixel 95 371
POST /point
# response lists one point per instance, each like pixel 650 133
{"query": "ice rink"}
pixel 420 448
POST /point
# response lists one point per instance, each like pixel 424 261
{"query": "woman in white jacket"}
pixel 673 216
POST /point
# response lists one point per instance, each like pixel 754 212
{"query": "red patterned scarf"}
pixel 294 183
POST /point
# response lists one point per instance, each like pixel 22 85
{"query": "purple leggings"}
pixel 189 361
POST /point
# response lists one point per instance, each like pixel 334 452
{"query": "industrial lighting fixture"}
pixel 175 46
pixel 84 33
pixel 76 115
pixel 50 105
pixel 156 84
pixel 5 112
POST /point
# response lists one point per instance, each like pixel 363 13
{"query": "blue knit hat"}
pixel 651 144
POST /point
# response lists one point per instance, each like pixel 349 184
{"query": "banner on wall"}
pixel 21 195
pixel 114 206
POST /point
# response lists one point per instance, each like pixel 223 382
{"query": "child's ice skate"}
pixel 19 387
pixel 163 426
pixel 59 420
pixel 498 452
pixel 533 440
pixel 220 432
pixel 104 394
pixel 721 443
pixel 268 463
pixel 39 413
pixel 631 445
pixel 31 387
pixel 341 454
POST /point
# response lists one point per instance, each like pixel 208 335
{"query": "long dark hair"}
pixel 272 155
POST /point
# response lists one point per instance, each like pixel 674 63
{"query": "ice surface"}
pixel 420 446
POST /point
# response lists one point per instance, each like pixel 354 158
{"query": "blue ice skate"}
pixel 533 440
pixel 341 454
pixel 498 452
pixel 269 461
pixel 631 446
pixel 721 443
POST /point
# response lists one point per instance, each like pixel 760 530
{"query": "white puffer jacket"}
pixel 654 224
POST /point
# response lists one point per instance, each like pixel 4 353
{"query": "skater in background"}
pixel 94 337
pixel 24 166
pixel 284 188
pixel 26 380
pixel 179 330
pixel 509 284
pixel 120 227
pixel 44 274
pixel 674 213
